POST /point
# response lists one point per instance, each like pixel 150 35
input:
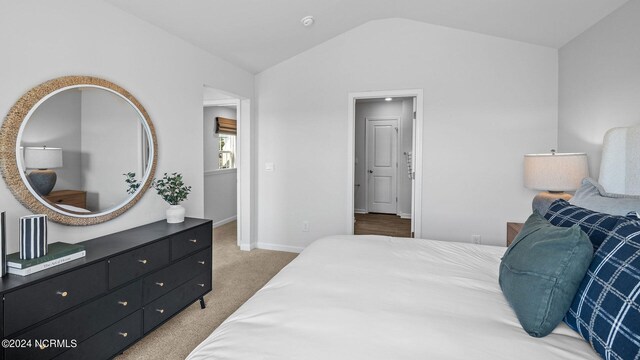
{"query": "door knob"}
pixel 370 171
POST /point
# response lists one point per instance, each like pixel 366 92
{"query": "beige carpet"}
pixel 237 275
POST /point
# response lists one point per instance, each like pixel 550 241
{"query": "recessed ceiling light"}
pixel 388 99
pixel 307 20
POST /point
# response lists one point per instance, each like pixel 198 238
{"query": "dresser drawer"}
pixel 87 320
pixel 190 241
pixel 138 262
pixel 165 280
pixel 108 342
pixel 164 307
pixel 37 302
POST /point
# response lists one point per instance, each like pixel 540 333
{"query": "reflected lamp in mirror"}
pixel 553 173
pixel 42 160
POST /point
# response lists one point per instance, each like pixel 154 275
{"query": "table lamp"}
pixel 554 173
pixel 42 160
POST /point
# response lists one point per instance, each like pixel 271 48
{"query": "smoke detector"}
pixel 307 21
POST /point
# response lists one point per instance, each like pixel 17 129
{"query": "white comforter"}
pixel 373 297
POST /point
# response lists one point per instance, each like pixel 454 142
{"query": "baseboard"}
pixel 404 216
pixel 278 247
pixel 225 221
pixel 360 211
pixel 245 247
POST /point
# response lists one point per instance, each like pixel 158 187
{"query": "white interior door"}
pixel 382 165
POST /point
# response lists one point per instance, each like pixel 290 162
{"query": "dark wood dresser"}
pixel 75 198
pixel 128 284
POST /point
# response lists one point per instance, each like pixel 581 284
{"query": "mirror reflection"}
pixel 76 145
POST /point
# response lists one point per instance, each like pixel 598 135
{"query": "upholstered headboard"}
pixel 620 167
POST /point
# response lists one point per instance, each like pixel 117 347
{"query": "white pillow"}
pixel 592 196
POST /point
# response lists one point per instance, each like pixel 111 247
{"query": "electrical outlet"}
pixel 477 239
pixel 305 226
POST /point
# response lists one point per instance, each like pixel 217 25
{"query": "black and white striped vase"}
pixel 33 236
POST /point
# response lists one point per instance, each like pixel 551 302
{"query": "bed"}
pixel 375 297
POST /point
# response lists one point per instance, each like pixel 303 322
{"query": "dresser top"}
pixel 104 247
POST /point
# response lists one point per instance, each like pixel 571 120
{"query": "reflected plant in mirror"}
pixel 132 183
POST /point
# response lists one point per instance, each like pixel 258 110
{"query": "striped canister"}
pixel 33 236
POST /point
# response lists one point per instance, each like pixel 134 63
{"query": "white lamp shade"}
pixel 555 172
pixel 42 157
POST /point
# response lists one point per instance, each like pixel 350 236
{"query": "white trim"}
pixel 224 102
pixel 416 199
pixel 225 221
pixel 244 166
pixel 360 211
pixel 220 172
pixel 244 247
pixel 404 216
pixel 278 247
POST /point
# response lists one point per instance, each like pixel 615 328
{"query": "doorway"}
pixel 227 162
pixel 386 133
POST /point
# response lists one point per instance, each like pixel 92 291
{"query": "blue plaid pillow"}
pixel 606 309
pixel 596 225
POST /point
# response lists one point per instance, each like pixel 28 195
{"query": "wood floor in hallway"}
pixel 382 224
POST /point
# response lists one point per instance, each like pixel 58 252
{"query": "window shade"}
pixel 225 126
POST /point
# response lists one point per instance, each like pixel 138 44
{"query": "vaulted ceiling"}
pixel 257 34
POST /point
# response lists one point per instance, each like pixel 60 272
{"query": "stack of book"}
pixel 58 253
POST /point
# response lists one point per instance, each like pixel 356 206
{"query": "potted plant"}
pixel 171 189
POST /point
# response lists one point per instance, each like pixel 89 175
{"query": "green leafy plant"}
pixel 132 183
pixel 171 188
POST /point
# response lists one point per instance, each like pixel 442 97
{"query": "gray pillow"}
pixel 541 271
pixel 592 196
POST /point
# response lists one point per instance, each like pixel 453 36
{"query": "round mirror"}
pixel 80 149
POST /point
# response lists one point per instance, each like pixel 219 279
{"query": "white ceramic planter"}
pixel 175 214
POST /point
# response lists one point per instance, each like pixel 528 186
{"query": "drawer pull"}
pixel 161 284
pixel 123 334
pixel 201 262
pixel 123 303
pixel 160 310
pixel 193 240
pixel 143 261
pixel 201 285
pixel 62 293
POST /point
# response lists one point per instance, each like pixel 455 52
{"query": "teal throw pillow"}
pixel 541 271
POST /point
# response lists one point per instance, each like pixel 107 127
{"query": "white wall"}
pixel 220 197
pixel 163 72
pixel 380 108
pixel 600 83
pixel 111 144
pixel 220 186
pixel 487 102
pixel 56 123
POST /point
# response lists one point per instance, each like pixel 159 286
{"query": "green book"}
pixel 54 251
